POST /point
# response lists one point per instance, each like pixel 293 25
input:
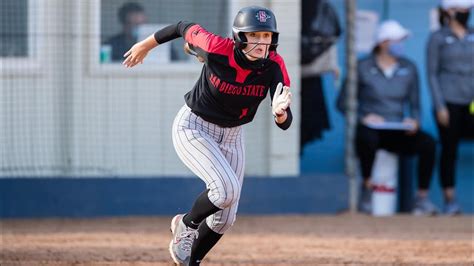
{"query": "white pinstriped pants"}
pixel 217 155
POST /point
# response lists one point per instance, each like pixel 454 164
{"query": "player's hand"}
pixel 189 51
pixel 413 123
pixel 135 55
pixel 372 119
pixel 443 117
pixel 281 100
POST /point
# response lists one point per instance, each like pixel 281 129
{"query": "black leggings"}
pixel 461 125
pixel 423 145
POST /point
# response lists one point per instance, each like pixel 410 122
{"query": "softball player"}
pixel 207 132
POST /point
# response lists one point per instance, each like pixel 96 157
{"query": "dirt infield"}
pixel 262 240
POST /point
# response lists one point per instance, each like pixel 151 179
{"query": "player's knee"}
pixel 222 225
pixel 227 197
pixel 227 225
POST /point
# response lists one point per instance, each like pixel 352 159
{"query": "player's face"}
pixel 258 44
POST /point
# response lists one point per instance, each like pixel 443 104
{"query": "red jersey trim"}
pixel 209 42
pixel 279 60
pixel 241 72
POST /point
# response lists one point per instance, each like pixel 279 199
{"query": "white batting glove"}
pixel 281 100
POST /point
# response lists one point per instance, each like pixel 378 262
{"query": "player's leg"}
pixel 195 141
pixel 463 120
pixel 467 122
pixel 424 147
pixel 184 228
pixel 450 137
pixel 366 144
pixel 201 209
pixel 202 245
pixel 211 231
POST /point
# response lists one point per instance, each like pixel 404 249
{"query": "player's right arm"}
pixel 199 40
pixel 138 52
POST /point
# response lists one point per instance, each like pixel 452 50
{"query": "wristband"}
pixel 277 115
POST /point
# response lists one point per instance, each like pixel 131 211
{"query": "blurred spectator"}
pixel 387 85
pixel 320 30
pixel 131 15
pixel 450 63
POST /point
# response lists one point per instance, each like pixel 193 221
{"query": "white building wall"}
pixel 88 119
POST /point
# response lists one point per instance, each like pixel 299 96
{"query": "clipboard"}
pixel 390 126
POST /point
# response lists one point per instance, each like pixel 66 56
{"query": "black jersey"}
pixel 230 87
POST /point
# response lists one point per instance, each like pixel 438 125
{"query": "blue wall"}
pixel 327 155
pixel 88 197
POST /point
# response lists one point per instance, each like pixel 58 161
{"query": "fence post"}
pixel 351 103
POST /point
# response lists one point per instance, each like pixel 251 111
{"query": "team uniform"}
pixel 207 131
pixel 450 67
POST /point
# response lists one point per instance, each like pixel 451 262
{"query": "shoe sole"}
pixel 174 223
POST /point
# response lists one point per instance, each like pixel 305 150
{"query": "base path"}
pixel 254 240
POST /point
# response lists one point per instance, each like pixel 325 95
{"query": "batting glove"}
pixel 281 100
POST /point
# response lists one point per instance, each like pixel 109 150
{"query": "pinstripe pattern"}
pixel 215 154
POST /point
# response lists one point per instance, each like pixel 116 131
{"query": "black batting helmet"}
pixel 252 19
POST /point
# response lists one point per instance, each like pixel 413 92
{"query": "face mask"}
pixel 135 32
pixel 462 17
pixel 396 49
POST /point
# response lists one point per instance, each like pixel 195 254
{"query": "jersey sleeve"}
pixel 200 41
pixel 172 31
pixel 204 42
pixel 281 74
pixel 414 97
pixel 432 69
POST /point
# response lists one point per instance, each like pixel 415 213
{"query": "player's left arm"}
pixel 202 42
pixel 280 94
pixel 281 101
pixel 414 102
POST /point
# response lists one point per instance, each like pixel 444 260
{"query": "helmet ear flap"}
pixel 274 44
pixel 240 40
